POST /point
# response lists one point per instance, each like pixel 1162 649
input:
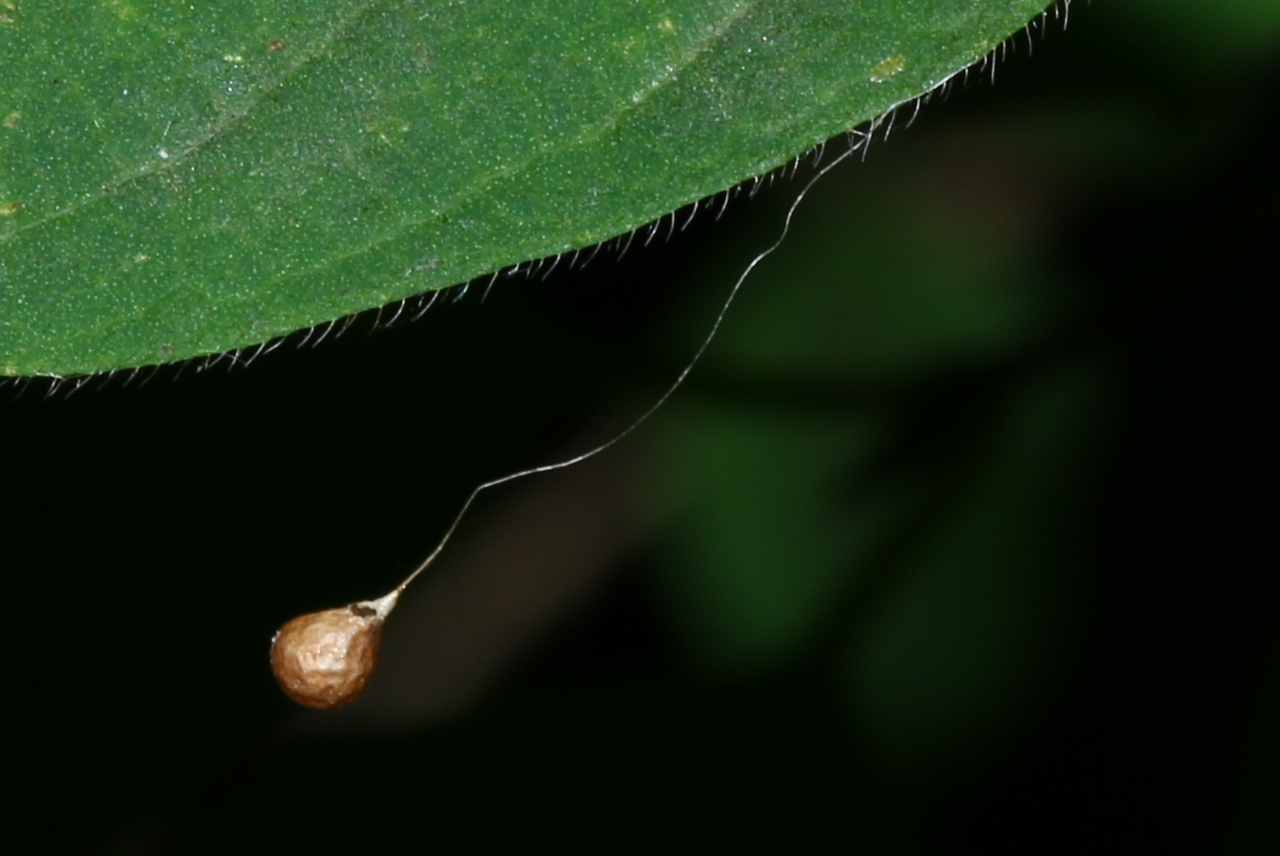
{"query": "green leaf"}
pixel 182 178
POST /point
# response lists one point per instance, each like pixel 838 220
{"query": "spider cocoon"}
pixel 324 659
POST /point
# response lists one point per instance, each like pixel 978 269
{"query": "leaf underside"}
pixel 180 179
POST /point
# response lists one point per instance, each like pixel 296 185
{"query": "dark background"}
pixel 1046 617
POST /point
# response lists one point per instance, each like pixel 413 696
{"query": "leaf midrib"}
pixel 589 134
pixel 220 125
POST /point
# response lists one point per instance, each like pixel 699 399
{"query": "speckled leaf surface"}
pixel 184 178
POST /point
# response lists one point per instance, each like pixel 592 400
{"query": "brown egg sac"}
pixel 324 659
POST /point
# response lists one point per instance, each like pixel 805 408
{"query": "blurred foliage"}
pixel 953 541
pixel 1199 41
